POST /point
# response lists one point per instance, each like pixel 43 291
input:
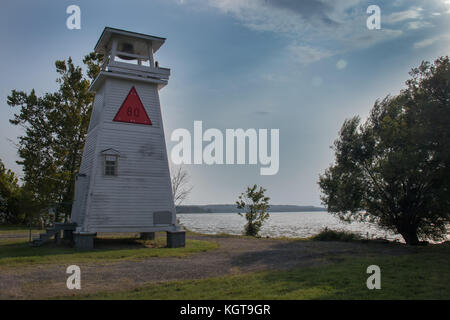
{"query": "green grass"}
pixel 423 275
pixel 19 229
pixel 17 252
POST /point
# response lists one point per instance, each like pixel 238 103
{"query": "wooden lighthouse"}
pixel 124 181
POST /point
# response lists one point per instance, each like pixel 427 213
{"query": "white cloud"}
pixel 341 24
pixel 430 41
pixel 425 43
pixel 319 29
pixel 306 54
pixel 291 17
pixel 414 25
pixel 413 13
pixel 341 64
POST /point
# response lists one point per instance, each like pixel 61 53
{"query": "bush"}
pixel 255 204
pixel 333 235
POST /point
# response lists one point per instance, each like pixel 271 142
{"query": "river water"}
pixel 280 224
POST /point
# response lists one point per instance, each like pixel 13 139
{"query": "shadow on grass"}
pixel 418 274
pixel 127 243
pixel 284 255
pixel 17 249
pixel 15 253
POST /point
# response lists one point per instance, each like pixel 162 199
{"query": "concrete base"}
pixel 84 240
pixel 147 236
pixel 176 239
pixel 67 232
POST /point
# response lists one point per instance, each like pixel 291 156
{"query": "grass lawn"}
pixel 17 252
pixel 419 273
pixel 422 275
pixel 13 229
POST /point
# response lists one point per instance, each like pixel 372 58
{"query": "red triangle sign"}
pixel 132 110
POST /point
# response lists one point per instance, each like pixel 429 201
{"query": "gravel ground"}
pixel 235 255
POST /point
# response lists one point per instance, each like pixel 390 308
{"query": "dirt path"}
pixel 235 255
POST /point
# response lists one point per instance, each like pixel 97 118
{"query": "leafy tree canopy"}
pixel 9 192
pixel 55 126
pixel 394 169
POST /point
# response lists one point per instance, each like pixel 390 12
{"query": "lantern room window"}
pixel 110 165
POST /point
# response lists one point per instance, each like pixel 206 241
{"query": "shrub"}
pixel 255 204
pixel 333 235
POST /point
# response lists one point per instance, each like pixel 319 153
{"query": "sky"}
pixel 302 67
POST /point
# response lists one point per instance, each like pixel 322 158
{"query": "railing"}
pixel 145 71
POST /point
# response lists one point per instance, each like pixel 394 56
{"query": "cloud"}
pixel 430 41
pixel 425 43
pixel 319 29
pixel 414 25
pixel 306 54
pixel 411 14
pixel 341 64
pixel 291 17
pixel 315 12
pixel 339 24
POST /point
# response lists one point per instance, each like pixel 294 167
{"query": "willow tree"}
pixel 55 127
pixel 394 169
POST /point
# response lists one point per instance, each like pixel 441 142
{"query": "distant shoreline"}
pixel 230 208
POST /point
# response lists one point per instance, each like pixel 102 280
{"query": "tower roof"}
pixel 104 40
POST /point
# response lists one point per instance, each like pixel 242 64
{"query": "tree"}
pixel 16 205
pixel 394 169
pixel 55 128
pixel 255 204
pixel 9 194
pixel 180 185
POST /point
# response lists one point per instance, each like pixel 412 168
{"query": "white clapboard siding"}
pixel 82 184
pixel 118 89
pixel 126 202
pixel 96 110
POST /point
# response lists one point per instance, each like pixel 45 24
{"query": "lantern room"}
pixel 130 53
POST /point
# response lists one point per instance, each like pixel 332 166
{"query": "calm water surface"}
pixel 286 224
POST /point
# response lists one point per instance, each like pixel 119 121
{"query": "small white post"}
pixel 113 50
pixel 150 56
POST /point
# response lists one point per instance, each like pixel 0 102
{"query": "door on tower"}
pixel 81 194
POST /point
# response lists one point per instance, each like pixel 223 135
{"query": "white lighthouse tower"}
pixel 124 181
